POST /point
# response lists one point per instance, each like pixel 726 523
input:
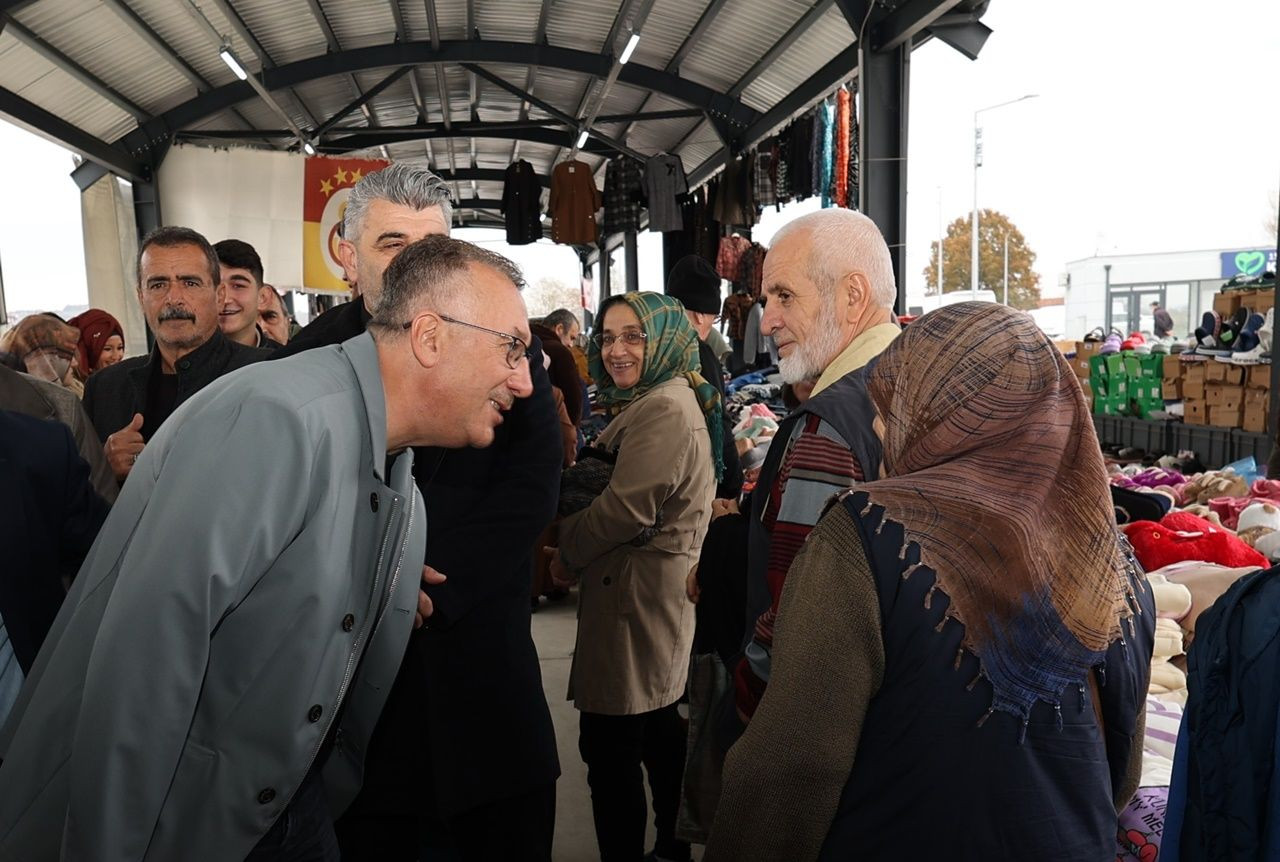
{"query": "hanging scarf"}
pixel 844 109
pixel 995 473
pixel 671 350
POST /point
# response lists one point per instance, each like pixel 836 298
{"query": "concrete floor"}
pixel 555 626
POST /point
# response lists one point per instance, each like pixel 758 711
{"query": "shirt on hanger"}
pixel 664 179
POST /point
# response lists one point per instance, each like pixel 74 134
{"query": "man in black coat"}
pixel 466 734
pixel 52 515
pixel 180 290
pixel 697 286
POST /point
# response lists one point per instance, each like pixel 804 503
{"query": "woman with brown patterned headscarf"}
pixel 46 347
pixel 963 646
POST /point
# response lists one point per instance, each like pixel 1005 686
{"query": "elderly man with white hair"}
pixel 829 280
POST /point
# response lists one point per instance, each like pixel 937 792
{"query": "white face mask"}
pixel 48 363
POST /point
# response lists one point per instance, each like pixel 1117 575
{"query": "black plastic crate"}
pixel 1211 444
pixel 1147 435
pixel 1246 443
pixel 1110 430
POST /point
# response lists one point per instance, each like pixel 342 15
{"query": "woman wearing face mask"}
pixel 101 341
pixel 631 551
pixel 47 348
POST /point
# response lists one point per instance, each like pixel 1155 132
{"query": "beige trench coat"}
pixel 635 624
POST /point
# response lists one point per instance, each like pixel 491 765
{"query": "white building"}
pixel 1117 290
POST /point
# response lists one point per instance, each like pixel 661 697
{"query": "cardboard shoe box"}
pixel 1226 417
pixel 1233 399
pixel 1171 390
pixel 1195 372
pixel 1087 349
pixel 1171 367
pixel 1214 394
pixel 1258 376
pixel 1194 413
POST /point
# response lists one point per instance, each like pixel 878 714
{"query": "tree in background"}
pixel 993 227
pixel 549 293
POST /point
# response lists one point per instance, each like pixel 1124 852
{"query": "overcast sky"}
pixel 1155 129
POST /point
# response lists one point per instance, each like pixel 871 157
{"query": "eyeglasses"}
pixel 632 338
pixel 516 347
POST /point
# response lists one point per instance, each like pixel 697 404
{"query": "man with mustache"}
pixel 180 291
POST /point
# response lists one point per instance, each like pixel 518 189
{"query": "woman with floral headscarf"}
pixel 631 550
pixel 962 652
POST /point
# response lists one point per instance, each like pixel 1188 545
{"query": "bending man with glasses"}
pixel 464 756
pixel 631 551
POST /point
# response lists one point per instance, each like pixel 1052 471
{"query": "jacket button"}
pixel 184 364
pixel 266 796
pixel 373 501
pixel 607 580
pixel 348 622
pixel 313 714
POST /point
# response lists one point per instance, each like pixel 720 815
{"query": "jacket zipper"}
pixel 355 651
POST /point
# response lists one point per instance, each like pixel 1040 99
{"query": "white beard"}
pixel 808 360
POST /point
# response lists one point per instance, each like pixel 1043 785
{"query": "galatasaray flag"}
pixel 326 184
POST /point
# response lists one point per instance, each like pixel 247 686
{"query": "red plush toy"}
pixel 1182 536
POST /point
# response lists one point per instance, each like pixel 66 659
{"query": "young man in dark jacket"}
pixel 465 736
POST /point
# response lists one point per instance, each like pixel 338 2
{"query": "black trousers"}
pixel 519 829
pixel 614 747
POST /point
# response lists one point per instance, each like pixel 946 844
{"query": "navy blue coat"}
pixel 52 515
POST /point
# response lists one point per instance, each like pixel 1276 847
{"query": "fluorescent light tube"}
pixel 631 46
pixel 582 140
pixel 233 64
pixel 308 149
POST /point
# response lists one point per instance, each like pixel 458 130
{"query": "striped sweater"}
pixel 817 465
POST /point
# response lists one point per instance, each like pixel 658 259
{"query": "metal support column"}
pixel 605 286
pixel 882 91
pixel 633 260
pixel 146 206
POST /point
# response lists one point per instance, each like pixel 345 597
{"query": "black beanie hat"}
pixel 695 284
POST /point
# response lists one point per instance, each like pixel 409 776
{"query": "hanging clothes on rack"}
pixel 522 203
pixel 573 204
pixel 766 192
pixel 734 203
pixel 623 195
pixel 751 270
pixel 664 179
pixel 827 110
pixel 731 250
pixel 844 108
pixel 851 169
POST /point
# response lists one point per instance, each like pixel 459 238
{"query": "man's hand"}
pixel 425 608
pixel 721 507
pixel 560 574
pixel 691 588
pixel 123 448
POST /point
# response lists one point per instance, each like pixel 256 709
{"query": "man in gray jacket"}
pixel 209 686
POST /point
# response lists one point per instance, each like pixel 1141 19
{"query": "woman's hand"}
pixel 560 574
pixel 691 588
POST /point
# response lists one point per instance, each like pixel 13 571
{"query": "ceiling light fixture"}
pixel 232 63
pixel 308 148
pixel 582 140
pixel 631 46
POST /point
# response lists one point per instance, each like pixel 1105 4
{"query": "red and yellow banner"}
pixel 326 184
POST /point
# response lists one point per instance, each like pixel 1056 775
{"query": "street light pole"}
pixel 977 163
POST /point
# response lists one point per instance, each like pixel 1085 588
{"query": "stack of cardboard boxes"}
pixel 1085 350
pixel 1220 394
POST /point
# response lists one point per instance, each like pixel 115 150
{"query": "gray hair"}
pixel 432 272
pixel 561 317
pixel 171 237
pixel 844 241
pixel 400 183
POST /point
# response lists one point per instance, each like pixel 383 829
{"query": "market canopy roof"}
pixel 465 86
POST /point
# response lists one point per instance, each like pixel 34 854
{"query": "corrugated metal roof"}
pixel 37 80
pixel 737 38
pixel 284 28
pixel 822 42
pixel 103 42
